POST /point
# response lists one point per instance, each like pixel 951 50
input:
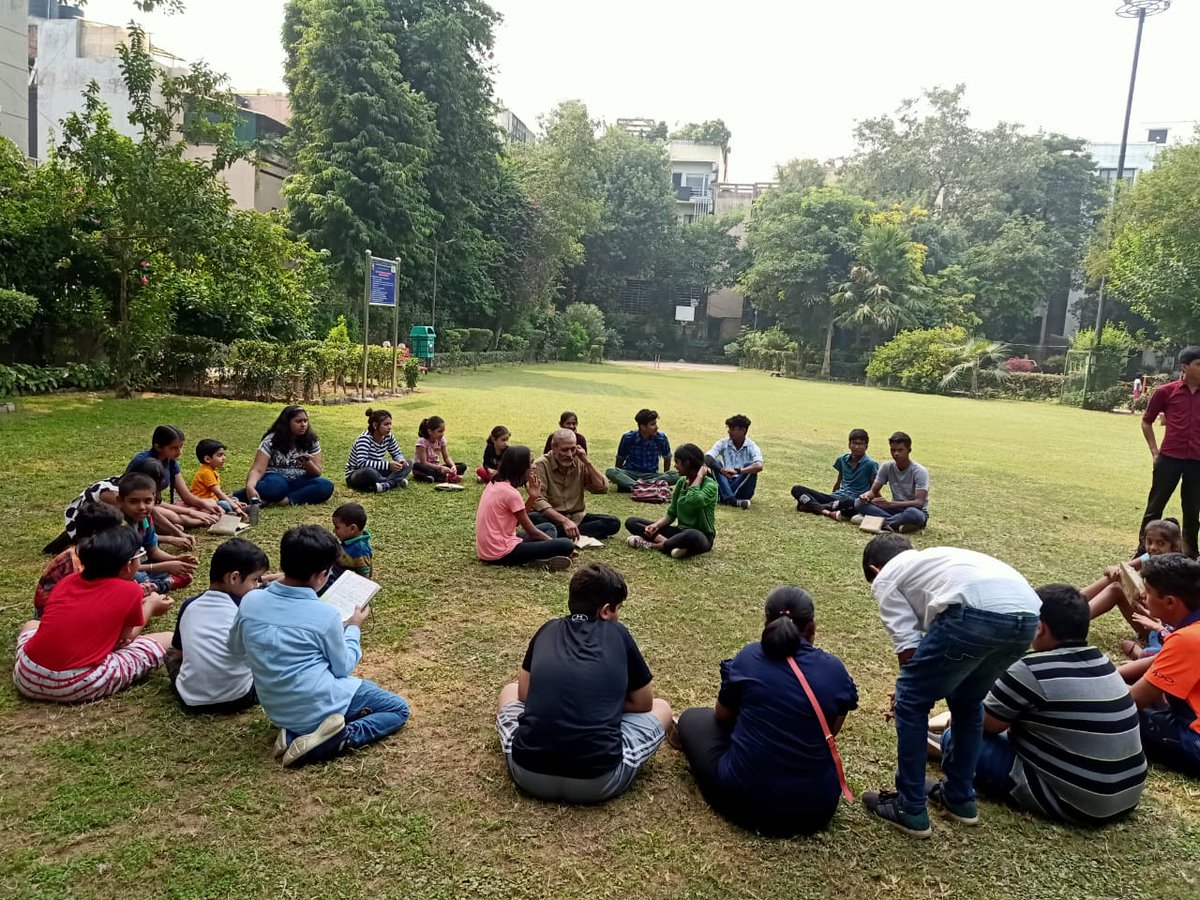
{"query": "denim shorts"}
pixel 641 735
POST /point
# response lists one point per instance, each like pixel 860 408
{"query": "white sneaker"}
pixel 281 744
pixel 300 747
pixel 856 520
pixel 678 553
pixel 743 504
pixel 639 543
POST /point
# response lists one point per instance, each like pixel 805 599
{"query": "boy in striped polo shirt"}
pixel 1061 732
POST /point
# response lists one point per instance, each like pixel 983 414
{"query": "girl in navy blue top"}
pixel 759 757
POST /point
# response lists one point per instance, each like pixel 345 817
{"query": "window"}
pixel 1157 136
pixel 635 296
pixel 1108 176
pixel 698 183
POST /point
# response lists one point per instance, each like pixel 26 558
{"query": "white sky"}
pixel 788 76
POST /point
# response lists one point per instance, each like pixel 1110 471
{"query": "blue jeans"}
pixel 996 757
pixel 373 714
pixel 1168 740
pixel 739 487
pixel 273 487
pixel 960 657
pixel 908 516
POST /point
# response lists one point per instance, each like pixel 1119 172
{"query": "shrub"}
pixel 477 340
pixel 576 344
pixel 22 379
pixel 918 359
pixel 1028 386
pixel 587 315
pixel 1054 365
pixel 1019 364
pixel 412 373
pixel 16 311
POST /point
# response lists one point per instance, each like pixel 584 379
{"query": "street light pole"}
pixel 1129 9
pixel 433 311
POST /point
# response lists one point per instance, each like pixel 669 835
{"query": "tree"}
pixel 156 207
pixel 360 139
pixel 977 359
pixel 706 253
pixel 713 131
pixel 800 175
pixel 886 289
pixel 1154 261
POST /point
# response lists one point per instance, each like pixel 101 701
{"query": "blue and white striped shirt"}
pixel 367 454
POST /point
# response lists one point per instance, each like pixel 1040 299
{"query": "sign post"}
pixel 381 290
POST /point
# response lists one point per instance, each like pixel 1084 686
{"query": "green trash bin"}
pixel 422 338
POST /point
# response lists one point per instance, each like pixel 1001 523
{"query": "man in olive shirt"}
pixel 566 475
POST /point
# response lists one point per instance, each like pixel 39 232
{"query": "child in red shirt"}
pixel 88 643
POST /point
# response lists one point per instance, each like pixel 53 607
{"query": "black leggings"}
pixel 366 479
pixel 692 540
pixel 705 741
pixel 530 549
pixel 436 473
pixel 596 525
pixel 820 498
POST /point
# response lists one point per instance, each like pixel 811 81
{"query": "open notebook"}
pixel 584 541
pixel 350 591
pixel 228 525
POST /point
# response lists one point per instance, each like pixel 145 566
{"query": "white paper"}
pixel 349 592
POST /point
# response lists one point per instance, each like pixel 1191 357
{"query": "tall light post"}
pixel 1140 10
pixel 433 311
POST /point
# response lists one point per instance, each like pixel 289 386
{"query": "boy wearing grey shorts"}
pixel 581 718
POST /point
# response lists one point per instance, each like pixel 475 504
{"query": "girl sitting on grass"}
pixel 693 504
pixel 288 465
pixel 502 509
pixel 189 511
pixel 432 459
pixel 496 444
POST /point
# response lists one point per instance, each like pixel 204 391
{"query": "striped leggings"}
pixel 117 671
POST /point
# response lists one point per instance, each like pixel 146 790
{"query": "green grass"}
pixel 127 798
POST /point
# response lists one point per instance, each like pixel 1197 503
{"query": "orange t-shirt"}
pixel 1176 668
pixel 206 479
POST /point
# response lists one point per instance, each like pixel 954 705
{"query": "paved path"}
pixel 679 366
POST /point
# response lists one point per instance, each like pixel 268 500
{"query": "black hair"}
pixel 514 465
pixel 150 467
pixel 351 514
pixel 738 421
pixel 691 456
pixel 1175 575
pixel 237 555
pixel 859 434
pixel 136 481
pixel 566 414
pixel 1065 612
pixel 93 518
pixel 899 437
pixel 1168 528
pixel 104 555
pixel 376 417
pixel 593 587
pixel 165 436
pixel 499 432
pixel 1189 355
pixel 789 612
pixel 207 447
pixel 881 550
pixel 433 423
pixel 305 550
pixel 646 416
pixel 282 439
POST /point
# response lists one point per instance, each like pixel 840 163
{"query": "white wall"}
pixel 14 73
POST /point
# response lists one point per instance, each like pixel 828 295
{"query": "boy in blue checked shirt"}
pixel 639 454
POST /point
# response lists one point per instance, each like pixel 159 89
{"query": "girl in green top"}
pixel 693 505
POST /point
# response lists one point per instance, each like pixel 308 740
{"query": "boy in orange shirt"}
pixel 207 483
pixel 1171 729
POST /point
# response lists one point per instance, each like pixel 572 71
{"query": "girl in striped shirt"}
pixel 368 468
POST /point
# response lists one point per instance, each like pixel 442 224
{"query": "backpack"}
pixel 651 492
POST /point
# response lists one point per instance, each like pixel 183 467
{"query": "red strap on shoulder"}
pixel 829 738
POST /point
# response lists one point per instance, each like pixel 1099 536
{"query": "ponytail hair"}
pixel 691 456
pixel 376 417
pixel 165 436
pixel 515 463
pixel 499 432
pixel 433 423
pixel 789 614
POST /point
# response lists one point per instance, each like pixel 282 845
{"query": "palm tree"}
pixel 979 358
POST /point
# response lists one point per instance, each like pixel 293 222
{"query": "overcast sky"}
pixel 789 78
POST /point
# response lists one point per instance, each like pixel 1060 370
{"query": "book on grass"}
pixel 228 525
pixel 584 541
pixel 349 592
pixel 873 524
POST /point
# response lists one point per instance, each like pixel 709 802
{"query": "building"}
pixel 695 171
pixel 68 52
pixel 14 74
pixel 1139 156
pixel 512 129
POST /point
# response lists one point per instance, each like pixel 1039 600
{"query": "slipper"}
pixel 447 486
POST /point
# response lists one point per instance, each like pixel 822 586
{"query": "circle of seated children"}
pixel 368 467
pixel 287 466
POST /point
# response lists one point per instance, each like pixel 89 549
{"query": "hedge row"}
pixel 19 379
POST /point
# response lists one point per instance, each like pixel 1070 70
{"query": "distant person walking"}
pixel 1178 458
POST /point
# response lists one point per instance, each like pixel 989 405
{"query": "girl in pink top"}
pixel 432 461
pixel 502 509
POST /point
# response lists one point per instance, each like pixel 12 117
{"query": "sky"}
pixel 789 78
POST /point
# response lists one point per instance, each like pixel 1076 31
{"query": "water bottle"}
pixel 253 509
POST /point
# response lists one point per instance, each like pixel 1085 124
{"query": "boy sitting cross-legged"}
pixel 166 572
pixel 302 657
pixel 581 719
pixel 856 473
pixel 88 643
pixel 205 677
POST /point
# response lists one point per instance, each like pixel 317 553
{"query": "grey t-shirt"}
pixel 905 484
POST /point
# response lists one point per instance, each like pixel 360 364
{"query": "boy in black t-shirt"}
pixel 581 718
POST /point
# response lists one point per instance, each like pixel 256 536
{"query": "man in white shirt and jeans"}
pixel 958 619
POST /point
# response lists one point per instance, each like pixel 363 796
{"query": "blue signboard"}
pixel 383 282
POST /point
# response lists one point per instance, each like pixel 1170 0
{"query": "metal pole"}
pixel 1137 51
pixel 362 389
pixel 433 312
pixel 395 322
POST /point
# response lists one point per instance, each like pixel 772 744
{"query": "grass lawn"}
pixel 128 798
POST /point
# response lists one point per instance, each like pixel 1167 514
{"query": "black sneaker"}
pixel 886 805
pixel 965 813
